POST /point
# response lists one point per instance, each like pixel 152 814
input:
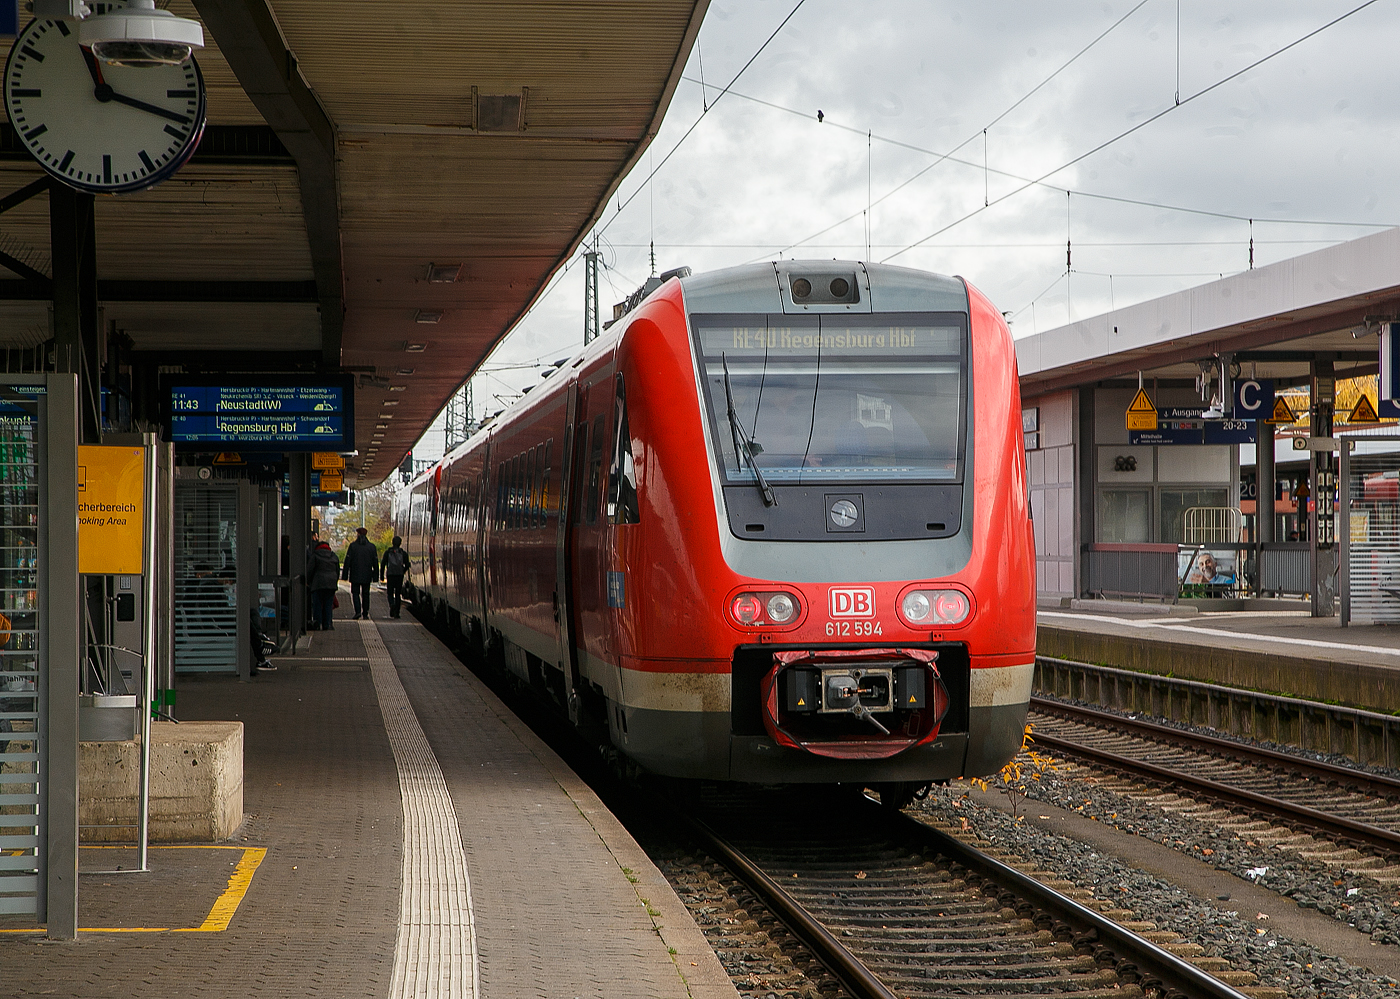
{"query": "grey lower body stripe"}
pixel 435 955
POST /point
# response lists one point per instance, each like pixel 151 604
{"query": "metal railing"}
pixel 1361 735
pixel 1211 525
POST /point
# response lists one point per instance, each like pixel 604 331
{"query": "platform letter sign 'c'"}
pixel 1142 414
pixel 111 510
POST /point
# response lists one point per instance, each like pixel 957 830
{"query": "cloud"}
pixel 1309 135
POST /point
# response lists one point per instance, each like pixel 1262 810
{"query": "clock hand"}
pixel 105 93
pixel 93 68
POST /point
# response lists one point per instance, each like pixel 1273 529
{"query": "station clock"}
pixel 96 127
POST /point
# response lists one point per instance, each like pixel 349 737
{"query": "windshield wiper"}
pixel 742 442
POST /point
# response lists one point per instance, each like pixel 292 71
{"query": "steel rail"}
pixel 1376 783
pixel 1149 959
pixel 1336 825
pixel 853 975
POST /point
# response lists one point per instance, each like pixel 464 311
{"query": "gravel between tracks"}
pixel 1278 961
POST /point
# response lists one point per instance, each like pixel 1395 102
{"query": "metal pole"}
pixel 1264 498
pixel 1344 532
pixel 299 528
pixel 1322 536
pixel 61 641
pixel 148 654
pixel 591 327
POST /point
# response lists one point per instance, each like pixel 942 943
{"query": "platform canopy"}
pixel 1320 306
pixel 383 189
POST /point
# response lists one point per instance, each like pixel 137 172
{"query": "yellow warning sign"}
pixel 326 461
pixel 1364 412
pixel 229 458
pixel 332 482
pixel 1281 414
pixel 1142 414
pixel 111 509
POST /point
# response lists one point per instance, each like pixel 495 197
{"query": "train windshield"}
pixel 805 399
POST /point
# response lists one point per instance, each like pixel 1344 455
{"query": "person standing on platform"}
pixel 322 577
pixel 361 568
pixel 395 568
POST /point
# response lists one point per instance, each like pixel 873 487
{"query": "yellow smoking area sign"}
pixel 1142 414
pixel 326 461
pixel 111 510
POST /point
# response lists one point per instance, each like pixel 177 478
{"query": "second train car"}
pixel 772 526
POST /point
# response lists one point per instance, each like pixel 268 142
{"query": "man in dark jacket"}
pixel 395 568
pixel 321 577
pixel 362 569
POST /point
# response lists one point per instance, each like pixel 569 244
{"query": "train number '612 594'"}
pixel 844 629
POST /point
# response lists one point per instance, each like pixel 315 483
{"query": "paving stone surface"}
pixel 575 916
pixel 565 902
pixel 320 793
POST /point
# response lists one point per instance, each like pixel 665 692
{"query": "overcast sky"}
pixel 1309 135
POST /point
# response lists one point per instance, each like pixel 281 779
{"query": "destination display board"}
pixel 1185 425
pixel 287 415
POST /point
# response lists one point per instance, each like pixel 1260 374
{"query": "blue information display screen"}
pixel 310 416
pixel 1186 426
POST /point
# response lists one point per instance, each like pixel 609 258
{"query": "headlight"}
pixel 916 606
pixel 934 607
pixel 773 607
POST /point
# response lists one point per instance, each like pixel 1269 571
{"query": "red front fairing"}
pixel 673 561
pixel 638 613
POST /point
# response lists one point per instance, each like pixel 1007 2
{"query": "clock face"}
pixel 100 128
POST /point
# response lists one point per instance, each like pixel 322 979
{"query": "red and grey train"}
pixel 771 526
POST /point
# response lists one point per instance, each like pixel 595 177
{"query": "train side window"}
pixel 595 471
pixel 580 465
pixel 516 476
pixel 622 473
pixel 520 490
pixel 544 483
pixel 501 497
pixel 531 482
pixel 511 491
pixel 506 494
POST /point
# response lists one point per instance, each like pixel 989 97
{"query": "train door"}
pixel 433 503
pixel 485 510
pixel 564 602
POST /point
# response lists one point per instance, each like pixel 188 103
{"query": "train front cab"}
pixel 694 691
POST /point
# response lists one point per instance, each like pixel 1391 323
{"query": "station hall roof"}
pixel 1278 317
pixel 350 148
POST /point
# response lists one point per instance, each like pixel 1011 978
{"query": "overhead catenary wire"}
pixel 1012 107
pixel 708 108
pixel 1078 192
pixel 1139 126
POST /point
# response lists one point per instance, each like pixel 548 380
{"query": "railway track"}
pixel 1343 806
pixel 895 908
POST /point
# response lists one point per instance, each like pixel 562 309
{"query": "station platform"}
pixel 1277 650
pixel 405 835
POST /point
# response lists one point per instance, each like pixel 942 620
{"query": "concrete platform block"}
pixel 196 784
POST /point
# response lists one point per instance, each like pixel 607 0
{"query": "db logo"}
pixel 853 601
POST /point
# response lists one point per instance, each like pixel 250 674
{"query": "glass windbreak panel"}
pixel 816 398
pixel 1175 503
pixel 20 731
pixel 206 598
pixel 1125 516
